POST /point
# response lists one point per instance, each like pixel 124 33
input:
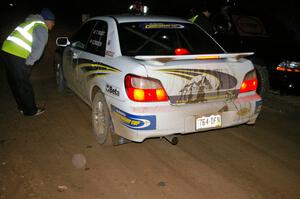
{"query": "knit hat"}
pixel 47 14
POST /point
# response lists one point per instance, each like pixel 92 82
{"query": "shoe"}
pixel 39 111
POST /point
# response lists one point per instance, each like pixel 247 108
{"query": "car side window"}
pixel 97 41
pixel 80 38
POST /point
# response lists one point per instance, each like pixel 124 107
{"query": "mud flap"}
pixel 118 140
pixel 258 106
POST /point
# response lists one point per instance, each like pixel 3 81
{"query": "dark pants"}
pixel 18 76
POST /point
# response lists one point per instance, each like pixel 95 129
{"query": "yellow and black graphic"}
pixel 93 70
pixel 202 85
pixel 218 80
pixel 162 26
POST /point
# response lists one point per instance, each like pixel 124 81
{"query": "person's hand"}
pixel 29 63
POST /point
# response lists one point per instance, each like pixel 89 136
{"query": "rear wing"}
pixel 168 58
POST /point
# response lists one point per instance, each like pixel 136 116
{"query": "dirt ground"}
pixel 55 155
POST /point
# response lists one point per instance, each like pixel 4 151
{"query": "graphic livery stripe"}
pixel 191 72
pixel 94 70
pixel 202 97
pixel 88 73
pixel 227 81
pixel 98 66
pixel 185 76
pixel 95 75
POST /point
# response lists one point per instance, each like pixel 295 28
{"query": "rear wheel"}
pixel 102 124
pixel 263 80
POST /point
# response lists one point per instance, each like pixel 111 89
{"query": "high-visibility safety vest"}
pixel 19 42
pixel 193 19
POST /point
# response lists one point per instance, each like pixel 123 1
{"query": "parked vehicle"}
pixel 276 57
pixel 156 76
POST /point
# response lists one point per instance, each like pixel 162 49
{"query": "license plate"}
pixel 208 122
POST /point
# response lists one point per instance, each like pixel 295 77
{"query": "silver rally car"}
pixel 156 76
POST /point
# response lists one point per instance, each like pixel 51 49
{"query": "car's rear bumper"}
pixel 137 123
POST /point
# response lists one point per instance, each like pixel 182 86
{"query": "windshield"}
pixel 153 38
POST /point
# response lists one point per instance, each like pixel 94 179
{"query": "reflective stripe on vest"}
pixel 24 33
pixel 193 19
pixel 19 42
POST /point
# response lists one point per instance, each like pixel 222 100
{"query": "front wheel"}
pixel 102 123
pixel 59 76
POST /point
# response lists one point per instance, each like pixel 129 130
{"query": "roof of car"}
pixel 125 18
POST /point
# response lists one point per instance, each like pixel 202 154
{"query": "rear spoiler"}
pixel 168 58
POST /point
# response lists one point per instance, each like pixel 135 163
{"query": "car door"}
pixel 90 60
pixel 72 54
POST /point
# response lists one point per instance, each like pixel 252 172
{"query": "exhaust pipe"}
pixel 173 139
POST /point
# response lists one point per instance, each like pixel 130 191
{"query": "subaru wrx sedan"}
pixel 156 76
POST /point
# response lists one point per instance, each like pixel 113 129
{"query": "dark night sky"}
pixel 157 6
pixel 179 8
pixel 283 12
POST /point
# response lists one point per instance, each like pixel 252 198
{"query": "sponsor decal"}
pixel 95 42
pixel 99 32
pixel 162 26
pixel 112 90
pixel 136 122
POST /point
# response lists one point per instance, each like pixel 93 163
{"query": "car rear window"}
pixel 153 38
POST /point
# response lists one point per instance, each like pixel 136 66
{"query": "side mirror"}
pixel 62 41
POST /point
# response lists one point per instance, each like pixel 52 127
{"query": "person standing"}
pixel 202 18
pixel 22 48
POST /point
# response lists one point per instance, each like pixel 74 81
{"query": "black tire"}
pixel 263 80
pixel 101 120
pixel 59 75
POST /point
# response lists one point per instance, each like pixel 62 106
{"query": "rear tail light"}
pixel 289 66
pixel 249 83
pixel 181 51
pixel 142 89
pixel 282 68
